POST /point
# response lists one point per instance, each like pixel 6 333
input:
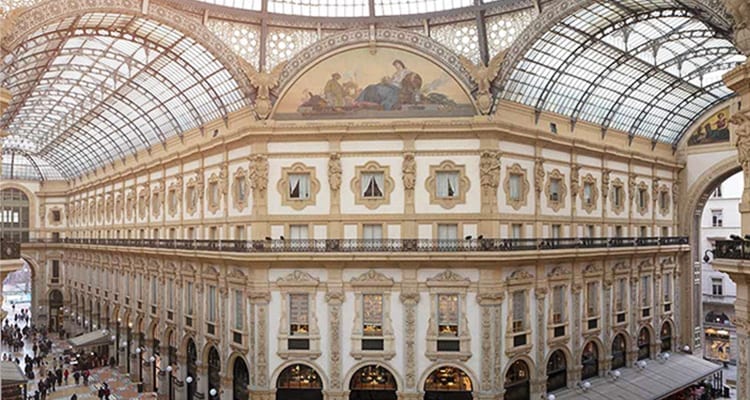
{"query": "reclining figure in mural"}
pixel 404 87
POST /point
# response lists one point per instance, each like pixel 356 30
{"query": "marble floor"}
pixel 120 385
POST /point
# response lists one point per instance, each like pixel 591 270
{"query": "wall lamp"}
pixel 584 386
pixel 615 375
pixel 641 364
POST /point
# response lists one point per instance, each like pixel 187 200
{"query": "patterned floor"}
pixel 120 385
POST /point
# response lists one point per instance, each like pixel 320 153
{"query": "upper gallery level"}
pixel 96 91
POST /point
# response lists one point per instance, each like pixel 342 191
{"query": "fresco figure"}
pixel 714 130
pixel 387 93
pixel 334 92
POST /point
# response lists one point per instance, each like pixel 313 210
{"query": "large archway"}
pixel 55 310
pixel 240 379
pixel 644 343
pixel 518 381
pixel 191 386
pixel 299 382
pixel 214 370
pixel 448 383
pixel 590 360
pixel 557 371
pixel 619 353
pixel 373 382
pixel 666 336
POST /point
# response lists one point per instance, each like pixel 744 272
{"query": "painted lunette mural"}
pixel 715 129
pixel 391 83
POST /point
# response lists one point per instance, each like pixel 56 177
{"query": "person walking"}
pixel 65 375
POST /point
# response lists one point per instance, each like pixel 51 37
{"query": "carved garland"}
pixel 516 169
pixel 214 192
pixel 174 197
pixel 556 204
pixel 372 202
pixel 143 199
pixel 191 196
pixel 157 200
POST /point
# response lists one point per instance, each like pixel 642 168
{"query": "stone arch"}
pixel 568 355
pixel 184 343
pixel 349 375
pixel 652 339
pixel 475 388
pixel 47 12
pixel 570 363
pixel 523 357
pixel 320 371
pixel 229 373
pixel 35 298
pixel 663 347
pixel 601 351
pixel 713 10
pixel 626 347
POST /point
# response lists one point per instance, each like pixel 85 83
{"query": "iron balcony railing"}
pixel 377 245
pixel 732 249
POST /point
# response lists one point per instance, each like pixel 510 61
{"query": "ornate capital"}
pixel 335 298
pixel 409 298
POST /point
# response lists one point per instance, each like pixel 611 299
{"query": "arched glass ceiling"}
pixel 91 89
pixel 347 8
pixel 646 67
pixel 21 165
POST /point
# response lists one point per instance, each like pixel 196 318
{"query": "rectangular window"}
pixel 446 184
pixel 644 231
pixel 298 232
pixel 717 192
pixel 617 193
pixel 664 231
pixel 241 184
pixel 213 233
pixel 642 198
pixel 140 287
pixel 239 310
pixel 448 315
pixel 211 303
pixel 516 231
pixel 515 187
pixel 663 201
pixel 172 234
pixel 154 289
pixel 592 299
pixel 191 233
pixel 55 271
pixel 667 287
pixel 170 294
pixel 299 311
pixel 556 231
pixel 620 294
pixel 519 310
pixel 558 304
pixel 372 185
pixel 591 231
pixel 554 189
pixel 372 232
pixel 717 286
pixel 372 314
pixel 717 218
pixel 618 231
pixel 645 291
pixel 189 298
pixel 299 186
pixel 588 189
pixel 447 232
pixel 156 233
pixel 239 232
pixel 56 216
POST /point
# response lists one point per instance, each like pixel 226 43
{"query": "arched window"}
pixel 240 380
pixel 192 359
pixel 590 361
pixel 618 351
pixel 556 371
pixel 517 382
pixel 644 344
pixel 299 382
pixel 14 215
pixel 56 310
pixel 373 382
pixel 214 367
pixel 666 337
pixel 448 383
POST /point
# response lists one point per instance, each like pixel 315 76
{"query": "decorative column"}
pixel 539 386
pixel 262 390
pixel 410 298
pixel 489 304
pixel 409 178
pixel 258 171
pixel 336 391
pixel 489 178
pixel 334 182
pixel 539 175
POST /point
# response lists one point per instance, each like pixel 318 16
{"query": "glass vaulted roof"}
pixel 646 67
pixel 347 8
pixel 89 90
pixel 18 164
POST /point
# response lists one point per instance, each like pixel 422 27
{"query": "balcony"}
pixel 477 245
